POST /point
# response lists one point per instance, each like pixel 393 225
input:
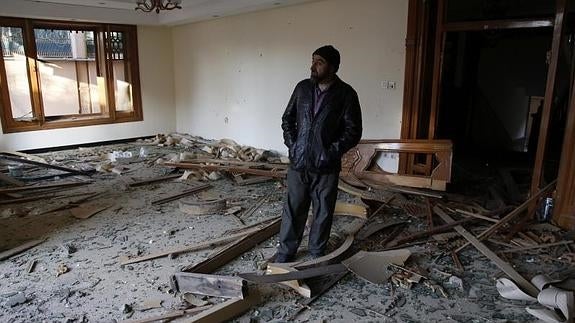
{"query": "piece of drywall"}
pixel 157 85
pixel 234 75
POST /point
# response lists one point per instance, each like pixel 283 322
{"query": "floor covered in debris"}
pixel 74 272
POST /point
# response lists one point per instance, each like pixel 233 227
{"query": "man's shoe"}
pixel 283 258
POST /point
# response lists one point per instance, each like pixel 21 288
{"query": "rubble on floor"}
pixel 116 233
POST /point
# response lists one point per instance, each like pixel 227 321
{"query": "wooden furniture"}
pixel 359 161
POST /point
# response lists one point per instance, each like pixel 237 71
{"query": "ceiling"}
pixel 122 11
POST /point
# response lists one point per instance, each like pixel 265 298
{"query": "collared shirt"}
pixel 318 97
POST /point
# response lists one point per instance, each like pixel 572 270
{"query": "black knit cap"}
pixel 330 54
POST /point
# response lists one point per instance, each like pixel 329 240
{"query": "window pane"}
pixel 68 74
pixel 16 73
pixel 122 79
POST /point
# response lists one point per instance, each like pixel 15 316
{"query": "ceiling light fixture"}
pixel 157 5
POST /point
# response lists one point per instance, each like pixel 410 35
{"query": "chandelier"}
pixel 149 5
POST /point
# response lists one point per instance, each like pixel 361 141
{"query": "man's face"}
pixel 320 69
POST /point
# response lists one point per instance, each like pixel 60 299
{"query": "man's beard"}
pixel 316 78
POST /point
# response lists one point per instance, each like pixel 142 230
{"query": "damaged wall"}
pixel 234 75
pixel 157 85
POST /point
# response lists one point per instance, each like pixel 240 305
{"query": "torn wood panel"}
pixel 504 266
pixel 355 210
pixel 244 244
pixel 358 160
pixel 227 310
pixel 182 194
pixel 209 285
pixel 512 215
pixel 21 248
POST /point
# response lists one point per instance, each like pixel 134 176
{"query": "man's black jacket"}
pixel 317 143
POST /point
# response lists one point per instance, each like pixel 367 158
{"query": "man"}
pixel 322 122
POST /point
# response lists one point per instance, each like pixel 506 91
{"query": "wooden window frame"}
pixel 108 114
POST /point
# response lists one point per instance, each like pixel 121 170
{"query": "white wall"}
pixel 234 75
pixel 157 86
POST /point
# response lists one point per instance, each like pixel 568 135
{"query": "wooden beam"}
pixel 549 94
pixel 512 215
pixel 564 211
pixel 235 249
pixel 497 24
pixel 526 285
pixel 209 285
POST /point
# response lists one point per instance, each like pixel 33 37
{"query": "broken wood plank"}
pixel 199 246
pixel 541 246
pixel 526 285
pixel 244 244
pixel 10 180
pixel 512 215
pixel 238 230
pixel 227 310
pixel 256 206
pixel 429 212
pixel 294 275
pixel 479 216
pixel 275 173
pixel 154 180
pixel 170 315
pixel 41 187
pixel 434 230
pixel 209 285
pixel 86 211
pixel 37 163
pixel 375 228
pixel 21 248
pixel 202 207
pixel 334 279
pixel 182 194
pixel 299 286
pixel 332 256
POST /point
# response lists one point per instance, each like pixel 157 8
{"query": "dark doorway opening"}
pixel 493 84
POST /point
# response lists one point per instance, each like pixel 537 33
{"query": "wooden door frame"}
pixel 412 104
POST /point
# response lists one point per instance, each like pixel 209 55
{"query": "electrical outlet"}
pixel 391 85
